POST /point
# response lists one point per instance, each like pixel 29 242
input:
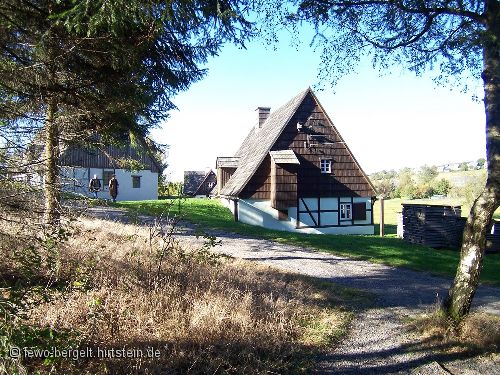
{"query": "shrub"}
pixel 442 186
pixel 478 332
pixel 169 189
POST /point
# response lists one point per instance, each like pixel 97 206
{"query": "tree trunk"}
pixel 479 221
pixel 51 183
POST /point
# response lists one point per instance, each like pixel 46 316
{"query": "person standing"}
pixel 94 186
pixel 113 188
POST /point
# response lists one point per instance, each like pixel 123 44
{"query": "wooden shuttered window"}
pixel 359 211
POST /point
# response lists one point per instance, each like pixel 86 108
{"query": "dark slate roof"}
pixel 192 181
pixel 258 143
pixel 107 156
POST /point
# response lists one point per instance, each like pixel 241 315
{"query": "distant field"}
pixel 210 214
pixel 459 178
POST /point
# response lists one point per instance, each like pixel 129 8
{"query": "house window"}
pixel 345 211
pixel 326 166
pixel 106 176
pixel 136 182
pixel 211 185
pixel 359 211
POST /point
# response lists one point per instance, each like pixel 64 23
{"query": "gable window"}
pixel 345 211
pixel 136 182
pixel 325 165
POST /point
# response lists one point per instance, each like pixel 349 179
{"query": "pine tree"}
pixel 69 69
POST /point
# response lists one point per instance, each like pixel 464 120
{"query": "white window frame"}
pixel 345 211
pixel 325 165
pixel 211 185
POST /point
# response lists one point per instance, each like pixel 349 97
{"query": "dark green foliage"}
pixel 480 163
pixel 413 34
pixel 463 166
pixel 442 187
pixel 110 66
pixel 427 174
pixel 169 189
pixel 77 68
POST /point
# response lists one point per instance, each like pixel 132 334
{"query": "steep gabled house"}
pixel 79 165
pixel 295 172
pixel 198 183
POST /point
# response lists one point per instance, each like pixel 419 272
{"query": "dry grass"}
pixel 478 333
pixel 203 315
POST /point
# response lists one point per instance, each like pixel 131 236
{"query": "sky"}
pixel 389 122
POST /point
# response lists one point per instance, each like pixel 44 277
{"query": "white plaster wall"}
pixel 228 203
pixel 260 213
pixel 77 180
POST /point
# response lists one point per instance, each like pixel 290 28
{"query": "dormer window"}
pixel 325 165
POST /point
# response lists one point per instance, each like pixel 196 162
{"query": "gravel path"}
pixel 378 342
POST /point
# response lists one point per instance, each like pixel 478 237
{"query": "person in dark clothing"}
pixel 113 187
pixel 95 186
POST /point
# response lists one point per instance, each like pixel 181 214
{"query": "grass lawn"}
pixel 389 250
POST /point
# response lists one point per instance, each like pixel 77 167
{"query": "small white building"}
pixel 79 165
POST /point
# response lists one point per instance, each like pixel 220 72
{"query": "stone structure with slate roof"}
pixel 295 172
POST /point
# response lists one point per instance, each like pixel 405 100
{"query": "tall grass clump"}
pixel 125 287
pixel 479 332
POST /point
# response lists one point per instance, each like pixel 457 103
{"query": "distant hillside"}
pixel 461 178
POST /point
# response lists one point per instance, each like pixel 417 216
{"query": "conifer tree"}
pixel 71 68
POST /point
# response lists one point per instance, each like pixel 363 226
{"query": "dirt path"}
pixel 378 342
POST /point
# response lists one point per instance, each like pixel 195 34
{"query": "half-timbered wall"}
pixel 325 212
pixel 260 212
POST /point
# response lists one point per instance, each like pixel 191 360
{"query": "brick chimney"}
pixel 263 113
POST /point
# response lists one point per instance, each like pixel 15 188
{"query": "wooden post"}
pixel 382 217
pixel 236 214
